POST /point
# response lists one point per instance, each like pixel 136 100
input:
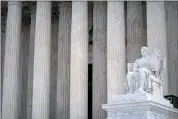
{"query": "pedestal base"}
pixel 140 106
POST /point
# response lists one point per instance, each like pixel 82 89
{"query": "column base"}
pixel 140 106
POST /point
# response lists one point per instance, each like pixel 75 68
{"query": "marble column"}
pixel 156 33
pixel 172 37
pixel 136 37
pixel 41 70
pixel 115 49
pixel 53 69
pixel 63 75
pixel 79 61
pixel 11 82
pixel 3 38
pixel 25 38
pixel 30 63
pixel 99 59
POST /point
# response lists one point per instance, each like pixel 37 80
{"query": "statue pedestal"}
pixel 140 105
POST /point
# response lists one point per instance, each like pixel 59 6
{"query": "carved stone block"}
pixel 140 106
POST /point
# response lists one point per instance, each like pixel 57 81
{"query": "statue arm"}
pixel 135 66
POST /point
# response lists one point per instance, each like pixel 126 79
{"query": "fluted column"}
pixel 30 63
pixel 53 69
pixel 79 61
pixel 135 32
pixel 115 49
pixel 63 77
pixel 172 37
pixel 156 33
pixel 41 70
pixel 3 38
pixel 25 38
pixel 11 82
pixel 99 59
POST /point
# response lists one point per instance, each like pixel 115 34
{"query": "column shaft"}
pixel 156 32
pixel 172 37
pixel 99 59
pixel 53 70
pixel 115 49
pixel 30 64
pixel 11 81
pixel 3 39
pixel 41 72
pixel 135 32
pixel 79 61
pixel 25 38
pixel 63 77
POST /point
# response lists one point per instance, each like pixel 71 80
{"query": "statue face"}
pixel 144 51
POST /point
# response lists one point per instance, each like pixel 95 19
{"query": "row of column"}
pixel 72 78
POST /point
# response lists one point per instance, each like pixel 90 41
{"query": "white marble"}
pixel 79 61
pixel 99 81
pixel 115 48
pixel 172 37
pixel 156 33
pixel 41 70
pixel 136 37
pixel 3 38
pixel 147 73
pixel 1 65
pixel 25 38
pixel 63 73
pixel 138 97
pixel 30 63
pixel 53 68
pixel 140 106
pixel 11 78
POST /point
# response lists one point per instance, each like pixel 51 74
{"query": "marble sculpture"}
pixel 146 73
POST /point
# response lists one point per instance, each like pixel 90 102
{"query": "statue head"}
pixel 144 51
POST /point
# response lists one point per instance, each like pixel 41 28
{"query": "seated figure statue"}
pixel 145 74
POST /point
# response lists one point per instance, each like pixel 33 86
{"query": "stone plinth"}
pixel 140 106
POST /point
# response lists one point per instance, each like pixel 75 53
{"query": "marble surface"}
pixel 79 61
pixel 156 34
pixel 140 106
pixel 115 48
pixel 99 79
pixel 139 97
pixel 11 100
pixel 41 69
pixel 142 77
pixel 63 62
pixel 135 30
